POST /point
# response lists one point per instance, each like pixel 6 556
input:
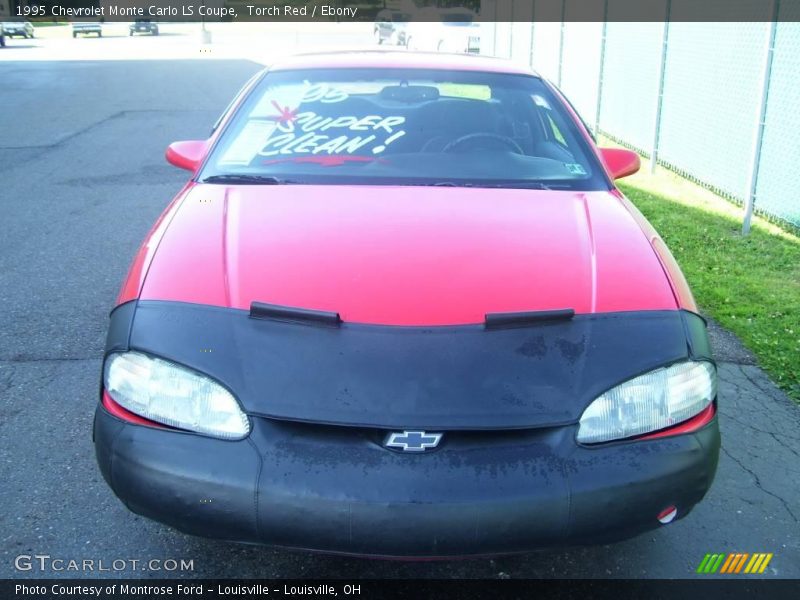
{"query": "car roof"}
pixel 398 59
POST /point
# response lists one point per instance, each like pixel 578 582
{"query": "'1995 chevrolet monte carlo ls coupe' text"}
pixel 401 309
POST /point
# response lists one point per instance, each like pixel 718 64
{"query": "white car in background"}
pixel 87 27
pixel 444 30
pixel 16 26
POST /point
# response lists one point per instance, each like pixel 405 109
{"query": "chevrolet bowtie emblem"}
pixel 412 441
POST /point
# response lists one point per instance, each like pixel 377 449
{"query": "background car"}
pixel 444 30
pixel 143 26
pixel 17 26
pixel 390 27
pixel 87 27
pixel 2 38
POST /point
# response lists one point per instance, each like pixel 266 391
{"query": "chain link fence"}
pixel 718 103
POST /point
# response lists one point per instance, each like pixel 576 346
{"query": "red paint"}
pixel 188 154
pixel 680 287
pixel 132 286
pixel 620 162
pixel 406 256
pixel 126 415
pixel 678 281
pixel 698 421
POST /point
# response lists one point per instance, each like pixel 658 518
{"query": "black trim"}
pixel 332 490
pixel 522 319
pixel 119 327
pixel 291 314
pixel 696 336
pixel 485 490
pixel 433 378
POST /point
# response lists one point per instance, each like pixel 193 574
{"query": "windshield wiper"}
pixel 531 185
pixel 245 178
pixel 445 184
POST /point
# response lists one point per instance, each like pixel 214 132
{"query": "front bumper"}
pixel 336 489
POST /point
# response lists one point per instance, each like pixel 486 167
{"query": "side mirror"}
pixel 620 162
pixel 187 155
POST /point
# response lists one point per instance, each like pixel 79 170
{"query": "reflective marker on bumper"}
pixel 667 515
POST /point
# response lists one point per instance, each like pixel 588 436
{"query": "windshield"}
pixel 405 127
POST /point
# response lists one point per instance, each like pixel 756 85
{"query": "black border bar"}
pixel 369 589
pixel 412 10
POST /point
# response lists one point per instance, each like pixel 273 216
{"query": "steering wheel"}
pixel 488 136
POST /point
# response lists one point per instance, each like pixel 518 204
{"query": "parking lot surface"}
pixel 82 179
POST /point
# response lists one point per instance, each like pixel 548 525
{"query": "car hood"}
pixel 406 255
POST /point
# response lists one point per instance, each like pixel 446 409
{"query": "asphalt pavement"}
pixel 82 179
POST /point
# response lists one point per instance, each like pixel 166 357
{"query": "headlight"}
pixel 650 402
pixel 167 393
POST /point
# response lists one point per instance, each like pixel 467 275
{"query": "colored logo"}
pixel 734 562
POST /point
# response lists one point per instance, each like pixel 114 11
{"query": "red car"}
pixel 401 309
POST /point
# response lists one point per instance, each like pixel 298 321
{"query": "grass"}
pixel 749 284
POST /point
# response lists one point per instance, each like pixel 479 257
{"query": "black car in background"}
pixel 143 26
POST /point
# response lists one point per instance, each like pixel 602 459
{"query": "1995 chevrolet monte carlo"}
pixel 401 309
